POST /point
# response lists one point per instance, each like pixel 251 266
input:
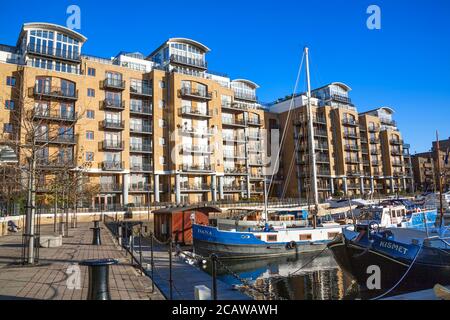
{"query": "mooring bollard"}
pixel 214 275
pixel 96 224
pixel 96 239
pixel 98 278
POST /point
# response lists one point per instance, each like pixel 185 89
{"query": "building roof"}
pixel 182 40
pixel 340 84
pixel 250 83
pixel 54 27
pixel 187 208
pixel 388 109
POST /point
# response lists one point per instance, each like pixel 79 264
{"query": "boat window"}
pixel 304 237
pixel 371 215
pixel 332 235
pixel 272 238
pixel 258 237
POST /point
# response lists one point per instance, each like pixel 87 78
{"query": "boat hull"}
pixel 229 251
pixel 430 267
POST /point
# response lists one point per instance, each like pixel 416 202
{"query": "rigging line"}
pixel 287 119
pixel 291 167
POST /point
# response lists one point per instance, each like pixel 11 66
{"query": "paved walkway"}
pixel 48 279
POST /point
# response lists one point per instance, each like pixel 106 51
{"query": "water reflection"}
pixel 294 278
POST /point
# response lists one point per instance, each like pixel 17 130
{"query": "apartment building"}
pixel 356 153
pixel 425 167
pixel 157 127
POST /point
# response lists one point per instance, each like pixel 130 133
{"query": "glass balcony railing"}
pixel 52 52
pixel 65 93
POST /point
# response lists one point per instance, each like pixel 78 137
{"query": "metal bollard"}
pixel 214 275
pixel 96 239
pixel 98 278
pixel 96 224
pixel 170 270
pixel 151 261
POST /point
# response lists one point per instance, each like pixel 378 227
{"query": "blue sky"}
pixel 405 65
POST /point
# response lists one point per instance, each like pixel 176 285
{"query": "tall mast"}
pixel 438 157
pixel 312 150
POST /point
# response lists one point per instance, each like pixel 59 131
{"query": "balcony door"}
pixel 43 84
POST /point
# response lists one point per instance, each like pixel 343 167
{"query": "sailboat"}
pixel 270 238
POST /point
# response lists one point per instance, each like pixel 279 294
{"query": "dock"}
pixel 48 279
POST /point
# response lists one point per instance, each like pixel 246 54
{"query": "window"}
pixel 162 104
pixel 90 114
pixel 89 135
pixel 162 141
pixel 91 92
pixel 7 128
pixel 162 160
pixel 305 237
pixel 162 123
pixel 91 72
pixel 162 84
pixel 10 81
pixel 272 238
pixel 9 104
pixel 89 156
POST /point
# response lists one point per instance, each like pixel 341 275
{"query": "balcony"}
pixel 254 149
pixel 351 135
pixel 373 128
pixel 254 122
pixel 397 163
pixel 255 163
pixel 196 149
pixel 351 147
pixel 143 110
pixel 364 140
pixel 396 142
pixel 110 187
pixel 194 112
pixel 398 174
pixel 388 122
pixel 322 172
pixel 113 124
pixel 113 84
pixel 45 163
pixel 141 129
pixel 236 171
pixel 140 187
pixel 352 160
pixel 196 94
pixel 140 148
pixel 340 98
pixel 235 106
pixel 141 91
pixel 350 122
pixel 50 52
pixel 198 63
pixel 141 167
pixel 354 172
pixel 196 132
pixel 364 151
pixel 58 93
pixel 195 187
pixel 375 163
pixel 59 139
pixel 252 136
pixel 319 120
pixel 396 152
pixel 320 133
pixel 374 152
pixel 233 122
pixel 113 104
pixel 196 168
pixel 112 165
pixel 322 159
pixel 245 96
pixel 234 138
pixel 374 141
pixel 55 115
pixel 233 188
pixel 234 155
pixel 112 145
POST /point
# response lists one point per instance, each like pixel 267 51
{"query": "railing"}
pixel 234 122
pixel 388 122
pixel 54 52
pixel 231 154
pixel 234 138
pixel 110 83
pixel 199 63
pixel 112 145
pixel 113 104
pixel 254 121
pixel 233 188
pixel 146 129
pixel 57 163
pixel 352 160
pixel 113 124
pixel 352 135
pixel 112 165
pixel 57 115
pixel 373 128
pixel 351 122
pixel 235 106
pixel 322 133
pixel 62 139
pixel 140 147
pixel 142 167
pixel 340 98
pixel 374 140
pixel 143 91
pixel 396 152
pixel 236 170
pixel 396 142
pixel 196 149
pixel 192 111
pixel 193 167
pixel 195 187
pixel 55 92
pixel 140 187
pixel 245 96
pixel 351 147
pixel 374 152
pixel 196 132
pixel 187 91
pixel 146 109
pixel 110 187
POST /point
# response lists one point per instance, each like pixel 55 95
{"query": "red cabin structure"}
pixel 177 222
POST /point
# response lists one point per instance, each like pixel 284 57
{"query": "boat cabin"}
pixel 385 216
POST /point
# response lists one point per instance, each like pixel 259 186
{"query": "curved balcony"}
pixel 198 63
pixel 196 94
pixel 50 52
pixel 113 84
pixel 52 92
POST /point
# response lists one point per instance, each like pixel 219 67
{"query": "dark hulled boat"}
pixel 408 259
